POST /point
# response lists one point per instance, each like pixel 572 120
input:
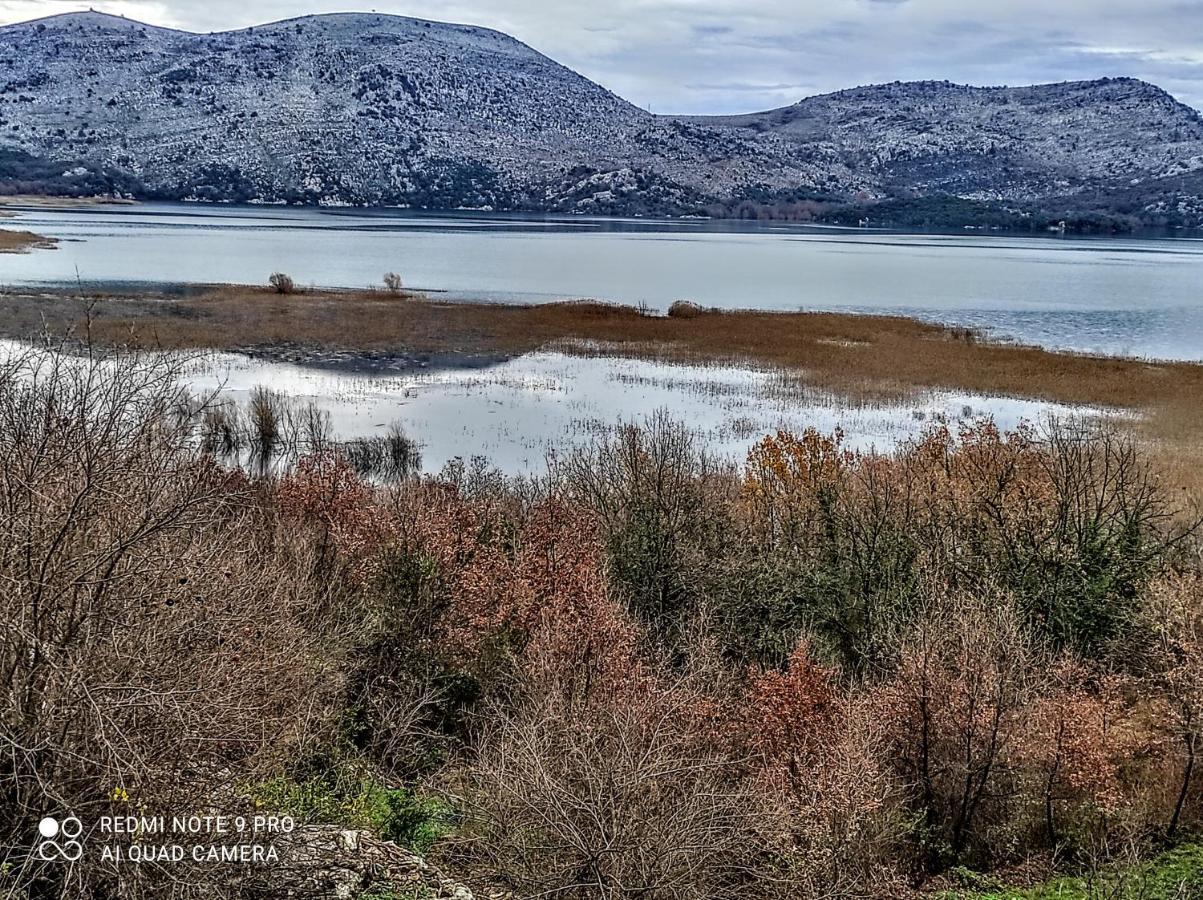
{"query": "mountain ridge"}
pixel 375 109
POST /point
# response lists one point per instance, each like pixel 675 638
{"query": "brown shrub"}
pixel 685 309
pixel 1175 614
pixel 833 814
pixel 282 283
pixel 613 806
pixel 158 626
pixel 954 713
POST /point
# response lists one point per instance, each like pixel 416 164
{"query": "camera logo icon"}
pixel 60 839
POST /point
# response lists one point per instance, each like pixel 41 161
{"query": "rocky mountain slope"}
pixel 375 109
pixel 995 143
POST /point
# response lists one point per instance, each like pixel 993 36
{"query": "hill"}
pixel 378 110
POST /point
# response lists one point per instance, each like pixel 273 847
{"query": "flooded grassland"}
pixel 515 383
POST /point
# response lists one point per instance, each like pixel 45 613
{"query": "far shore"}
pixel 860 358
pixel 52 202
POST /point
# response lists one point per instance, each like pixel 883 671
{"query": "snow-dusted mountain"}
pixel 995 142
pixel 376 109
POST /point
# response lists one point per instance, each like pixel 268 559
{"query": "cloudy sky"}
pixel 715 56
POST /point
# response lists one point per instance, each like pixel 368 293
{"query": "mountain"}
pixel 994 143
pixel 376 109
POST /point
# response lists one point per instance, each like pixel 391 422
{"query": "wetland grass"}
pixel 861 359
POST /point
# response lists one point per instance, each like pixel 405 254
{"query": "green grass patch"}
pixel 1174 875
pixel 351 796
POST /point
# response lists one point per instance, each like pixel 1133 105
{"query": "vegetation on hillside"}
pixel 821 673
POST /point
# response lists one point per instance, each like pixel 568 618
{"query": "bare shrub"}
pixel 392 456
pixel 222 429
pixel 955 712
pixel 832 811
pixel 314 429
pixel 266 412
pixel 610 801
pixel 282 283
pixel 392 282
pixel 156 632
pixel 685 309
pixel 1176 616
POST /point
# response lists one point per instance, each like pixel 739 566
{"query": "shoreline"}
pixel 51 201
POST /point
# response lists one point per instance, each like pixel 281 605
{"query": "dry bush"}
pixel 955 713
pixel 324 495
pixel 392 282
pixel 159 637
pixel 392 456
pixel 593 771
pixel 685 309
pixel 267 415
pixel 282 283
pixel 222 430
pixel 1175 612
pixel 617 804
pixel 833 817
pixel 601 777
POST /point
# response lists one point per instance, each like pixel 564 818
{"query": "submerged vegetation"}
pixel 852 355
pixel 856 358
pixel 643 673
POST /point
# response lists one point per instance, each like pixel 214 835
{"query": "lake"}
pixel 1131 296
pixel 518 413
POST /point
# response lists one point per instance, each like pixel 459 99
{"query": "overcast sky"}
pixel 716 56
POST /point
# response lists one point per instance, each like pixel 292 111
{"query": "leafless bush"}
pixel 315 432
pixel 616 804
pixel 685 309
pixel 221 429
pixel 283 284
pixel 956 711
pixel 835 827
pixel 155 636
pixel 392 282
pixel 391 456
pixel 267 411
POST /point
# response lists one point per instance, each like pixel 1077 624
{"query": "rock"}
pixel 332 862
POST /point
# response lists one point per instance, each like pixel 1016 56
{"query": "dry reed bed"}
pixel 24 241
pixel 860 357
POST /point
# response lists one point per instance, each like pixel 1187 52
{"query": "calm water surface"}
pixel 1140 297
pixel 517 413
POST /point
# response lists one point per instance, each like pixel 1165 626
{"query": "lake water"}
pixel 518 412
pixel 1129 296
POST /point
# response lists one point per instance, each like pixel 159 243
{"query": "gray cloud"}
pixel 718 56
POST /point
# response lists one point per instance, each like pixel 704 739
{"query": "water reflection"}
pixel 517 412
